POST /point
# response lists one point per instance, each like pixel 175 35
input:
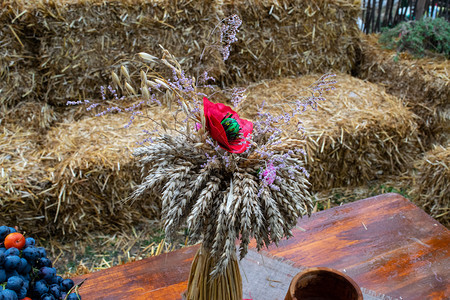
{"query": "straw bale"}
pixel 292 37
pixel 359 134
pixel 431 183
pixel 35 116
pixel 18 73
pixel 423 84
pixel 76 181
pixel 83 41
pixel 20 176
pixel 80 42
pixel 92 172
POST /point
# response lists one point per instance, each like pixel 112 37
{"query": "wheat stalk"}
pixel 220 202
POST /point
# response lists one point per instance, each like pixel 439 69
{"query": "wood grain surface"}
pixel 385 243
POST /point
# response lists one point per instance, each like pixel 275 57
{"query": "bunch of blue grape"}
pixel 27 274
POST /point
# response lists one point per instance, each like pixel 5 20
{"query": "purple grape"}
pixel 22 293
pixel 55 290
pixel 29 241
pixel 44 262
pixel 4 231
pixel 2 275
pixel 11 262
pixel 14 283
pixel 26 281
pixel 28 272
pixel 48 297
pixel 9 295
pixel 74 296
pixel 40 287
pixel 47 273
pixel 12 251
pixel 27 276
pixel 24 267
pixel 30 254
pixel 41 252
pixel 56 280
pixel 12 273
pixel 67 284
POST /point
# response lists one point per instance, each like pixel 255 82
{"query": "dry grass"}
pixel 359 134
pixel 431 183
pixel 83 41
pixel 74 178
pixel 423 84
pixel 18 75
pixel 72 46
pixel 287 38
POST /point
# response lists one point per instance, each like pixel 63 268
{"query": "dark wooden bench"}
pixel 385 243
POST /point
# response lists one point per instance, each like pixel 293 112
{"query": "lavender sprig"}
pixel 229 27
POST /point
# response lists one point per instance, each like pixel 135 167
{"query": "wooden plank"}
pixel 159 277
pixel 384 243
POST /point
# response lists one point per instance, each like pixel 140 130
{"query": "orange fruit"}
pixel 15 239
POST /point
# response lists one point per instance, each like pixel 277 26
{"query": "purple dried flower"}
pixel 238 96
pixel 77 102
pixel 228 31
pixel 269 175
pixel 205 77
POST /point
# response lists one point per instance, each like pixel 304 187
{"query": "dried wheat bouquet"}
pixel 224 196
pixel 227 178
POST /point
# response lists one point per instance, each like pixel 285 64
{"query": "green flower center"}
pixel 231 127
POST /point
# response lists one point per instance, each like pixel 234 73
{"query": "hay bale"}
pixel 292 37
pixel 21 177
pixel 18 74
pixel 83 41
pixel 423 84
pixel 92 173
pixel 35 116
pixel 76 180
pixel 359 134
pixel 431 183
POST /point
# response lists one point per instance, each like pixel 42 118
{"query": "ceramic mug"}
pixel 323 283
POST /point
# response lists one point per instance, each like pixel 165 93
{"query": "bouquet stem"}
pixel 201 286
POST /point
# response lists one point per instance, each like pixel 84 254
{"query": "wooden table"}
pixel 385 243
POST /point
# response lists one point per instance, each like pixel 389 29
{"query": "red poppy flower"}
pixel 226 127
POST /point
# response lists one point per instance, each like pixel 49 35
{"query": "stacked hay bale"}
pixel 72 178
pixel 18 73
pixel 77 181
pixel 291 37
pixel 22 176
pixel 431 183
pixel 424 84
pixel 21 179
pixel 81 42
pixel 359 134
